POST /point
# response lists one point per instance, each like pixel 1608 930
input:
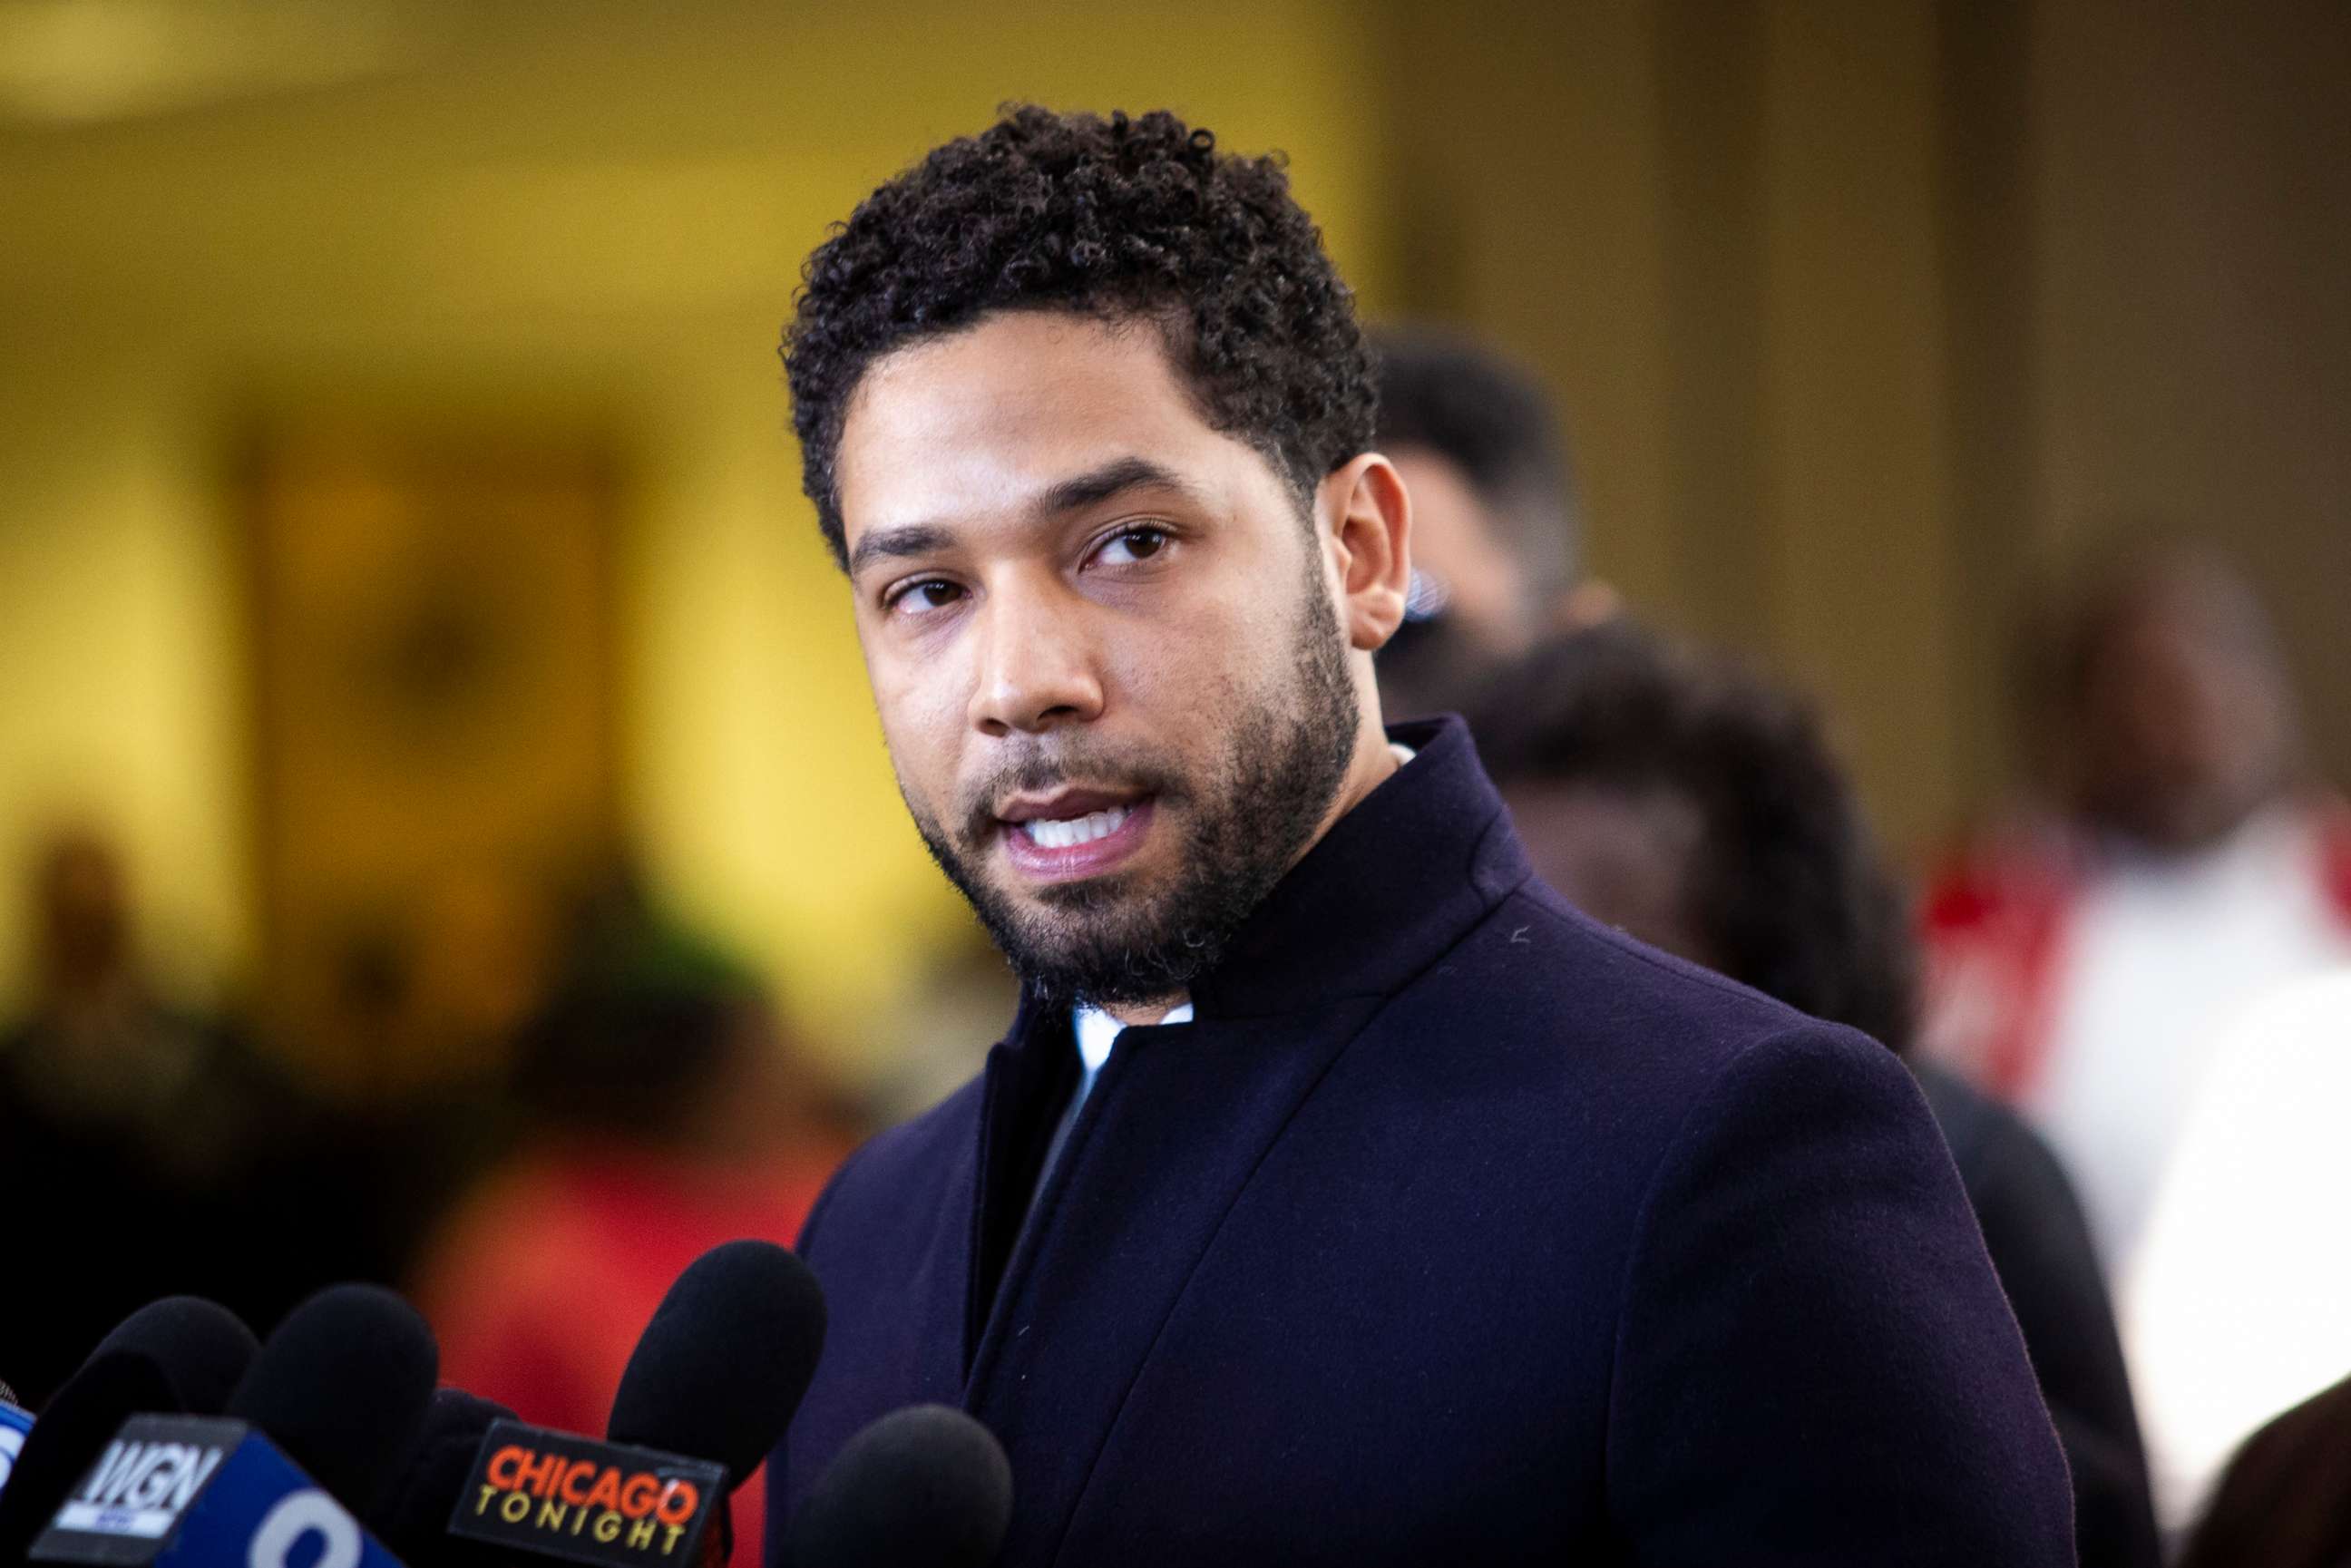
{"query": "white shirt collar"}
pixel 1097 1032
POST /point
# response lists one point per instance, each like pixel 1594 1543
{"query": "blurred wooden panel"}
pixel 433 636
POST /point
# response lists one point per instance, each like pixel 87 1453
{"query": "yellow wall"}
pixel 1861 313
pixel 1714 226
pixel 120 689
pixel 584 216
pixel 2190 339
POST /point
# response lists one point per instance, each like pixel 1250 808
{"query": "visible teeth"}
pixel 1051 833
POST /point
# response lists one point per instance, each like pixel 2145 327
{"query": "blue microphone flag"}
pixel 15 1423
pixel 184 1491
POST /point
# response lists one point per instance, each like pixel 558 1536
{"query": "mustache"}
pixel 1045 769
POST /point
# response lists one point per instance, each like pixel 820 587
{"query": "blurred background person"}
pixel 2088 953
pixel 141 1142
pixel 1495 552
pixel 1702 812
pixel 659 1112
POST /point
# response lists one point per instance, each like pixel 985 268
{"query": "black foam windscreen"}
pixel 72 1432
pixel 342 1387
pixel 721 1367
pixel 925 1487
pixel 203 1347
pixel 413 1517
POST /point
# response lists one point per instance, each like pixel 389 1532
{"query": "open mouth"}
pixel 1073 833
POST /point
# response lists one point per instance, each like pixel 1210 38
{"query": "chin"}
pixel 1094 895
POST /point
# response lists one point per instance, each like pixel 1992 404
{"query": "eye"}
pixel 923 594
pixel 1131 547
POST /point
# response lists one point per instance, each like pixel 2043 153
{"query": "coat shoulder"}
pixel 1537 970
pixel 896 1175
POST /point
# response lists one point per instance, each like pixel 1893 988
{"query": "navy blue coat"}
pixel 1456 1227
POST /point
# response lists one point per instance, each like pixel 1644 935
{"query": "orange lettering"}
pixel 501 1473
pixel 538 1473
pixel 678 1501
pixel 606 1492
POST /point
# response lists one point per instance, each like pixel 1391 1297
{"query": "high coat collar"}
pixel 1375 899
pixel 1095 1256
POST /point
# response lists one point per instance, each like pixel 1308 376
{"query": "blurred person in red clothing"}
pixel 662 1114
pixel 2086 954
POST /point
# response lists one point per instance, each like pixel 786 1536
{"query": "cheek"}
pixel 1182 671
pixel 921 704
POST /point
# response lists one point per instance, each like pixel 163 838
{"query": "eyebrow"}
pixel 1113 478
pixel 914 539
pixel 1076 493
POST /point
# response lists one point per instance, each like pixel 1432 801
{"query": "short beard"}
pixel 1105 943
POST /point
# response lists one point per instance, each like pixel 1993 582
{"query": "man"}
pixel 1477 443
pixel 2089 956
pixel 1701 810
pixel 657 1110
pixel 1340 1195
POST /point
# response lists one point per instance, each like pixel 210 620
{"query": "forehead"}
pixel 980 421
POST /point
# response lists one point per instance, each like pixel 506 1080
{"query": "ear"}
pixel 1369 521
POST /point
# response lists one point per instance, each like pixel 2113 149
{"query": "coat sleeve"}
pixel 1815 1364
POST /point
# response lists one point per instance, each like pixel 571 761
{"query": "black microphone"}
pixel 710 1389
pixel 726 1359
pixel 925 1487
pixel 203 1347
pixel 413 1519
pixel 74 1428
pixel 198 1348
pixel 342 1388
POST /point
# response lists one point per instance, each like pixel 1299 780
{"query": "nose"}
pixel 1037 667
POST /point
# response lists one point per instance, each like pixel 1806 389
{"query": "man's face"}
pixel 2183 732
pixel 1103 642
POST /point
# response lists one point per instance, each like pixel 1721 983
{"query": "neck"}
pixel 1136 1015
pixel 1367 768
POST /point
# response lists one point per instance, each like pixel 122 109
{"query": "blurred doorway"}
pixel 433 631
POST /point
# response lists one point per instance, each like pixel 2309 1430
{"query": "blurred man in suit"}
pixel 1340 1195
pixel 1495 544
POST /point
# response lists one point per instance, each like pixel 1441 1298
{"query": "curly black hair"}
pixel 1786 887
pixel 1115 218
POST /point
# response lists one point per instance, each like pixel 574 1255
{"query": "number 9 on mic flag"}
pixel 178 1491
pixel 14 1424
